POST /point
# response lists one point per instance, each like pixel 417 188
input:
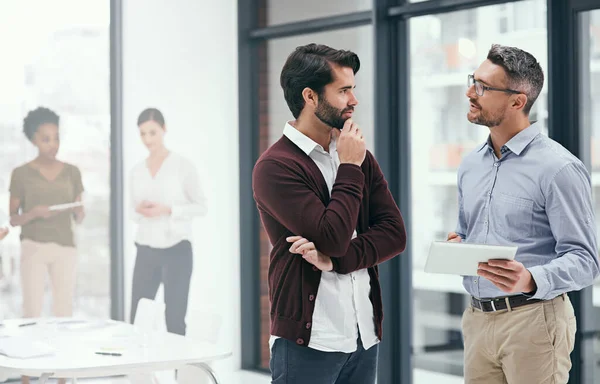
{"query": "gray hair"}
pixel 523 71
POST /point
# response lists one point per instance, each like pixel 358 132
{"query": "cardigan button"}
pixel 311 297
pixel 300 342
pixel 308 325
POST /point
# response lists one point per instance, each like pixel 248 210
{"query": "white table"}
pixel 76 345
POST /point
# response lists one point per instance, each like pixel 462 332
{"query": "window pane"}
pixel 274 113
pixel 590 126
pixel 444 49
pixel 288 11
pixel 60 60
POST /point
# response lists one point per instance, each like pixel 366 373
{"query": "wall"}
pixel 182 58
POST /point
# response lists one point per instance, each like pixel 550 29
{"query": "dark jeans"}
pixel 292 364
pixel 171 266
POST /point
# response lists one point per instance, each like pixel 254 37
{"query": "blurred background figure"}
pixel 47 238
pixel 3 232
pixel 166 196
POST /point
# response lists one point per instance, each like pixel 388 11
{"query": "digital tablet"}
pixel 451 258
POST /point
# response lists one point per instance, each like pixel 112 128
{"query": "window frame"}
pixel 392 146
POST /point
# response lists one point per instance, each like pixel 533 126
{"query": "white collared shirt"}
pixel 177 185
pixel 342 305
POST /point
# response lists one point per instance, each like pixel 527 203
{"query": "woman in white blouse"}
pixel 166 194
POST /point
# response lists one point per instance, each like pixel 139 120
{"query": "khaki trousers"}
pixel 57 261
pixel 526 345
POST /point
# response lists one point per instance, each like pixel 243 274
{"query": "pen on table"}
pixel 108 354
pixel 27 324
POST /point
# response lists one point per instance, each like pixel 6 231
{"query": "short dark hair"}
pixel 151 114
pixel 522 69
pixel 37 117
pixel 309 66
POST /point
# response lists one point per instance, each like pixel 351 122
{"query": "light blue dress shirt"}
pixel 537 196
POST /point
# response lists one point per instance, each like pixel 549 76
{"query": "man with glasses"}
pixel 523 189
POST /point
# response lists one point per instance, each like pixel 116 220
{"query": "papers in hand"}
pixel 60 207
pixel 24 348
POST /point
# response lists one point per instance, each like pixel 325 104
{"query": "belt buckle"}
pixel 491 301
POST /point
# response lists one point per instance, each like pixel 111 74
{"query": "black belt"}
pixel 499 304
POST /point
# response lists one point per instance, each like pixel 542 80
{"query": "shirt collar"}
pixel 305 143
pixel 518 143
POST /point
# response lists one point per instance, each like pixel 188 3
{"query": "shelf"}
pixel 438 320
pixel 442 178
pixel 453 284
pixel 439 283
pixel 448 178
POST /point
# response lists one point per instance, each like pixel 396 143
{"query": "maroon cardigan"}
pixel 293 199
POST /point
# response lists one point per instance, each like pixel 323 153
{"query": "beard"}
pixel 331 115
pixel 486 118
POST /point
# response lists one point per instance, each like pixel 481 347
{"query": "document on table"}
pixel 24 348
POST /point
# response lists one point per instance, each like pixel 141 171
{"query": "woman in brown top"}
pixel 47 241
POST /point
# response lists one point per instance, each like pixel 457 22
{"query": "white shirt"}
pixel 177 185
pixel 342 305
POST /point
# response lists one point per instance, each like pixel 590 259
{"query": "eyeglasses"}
pixel 480 88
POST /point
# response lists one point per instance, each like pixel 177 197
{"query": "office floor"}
pixel 116 380
pixel 420 377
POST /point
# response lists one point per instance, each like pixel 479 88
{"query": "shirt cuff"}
pixel 351 172
pixel 538 273
pixel 335 264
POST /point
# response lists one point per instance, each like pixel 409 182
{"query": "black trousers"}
pixel 171 266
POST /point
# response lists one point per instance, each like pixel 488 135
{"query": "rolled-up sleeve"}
pixel 133 195
pixel 461 225
pixel 571 216
pixel 196 202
